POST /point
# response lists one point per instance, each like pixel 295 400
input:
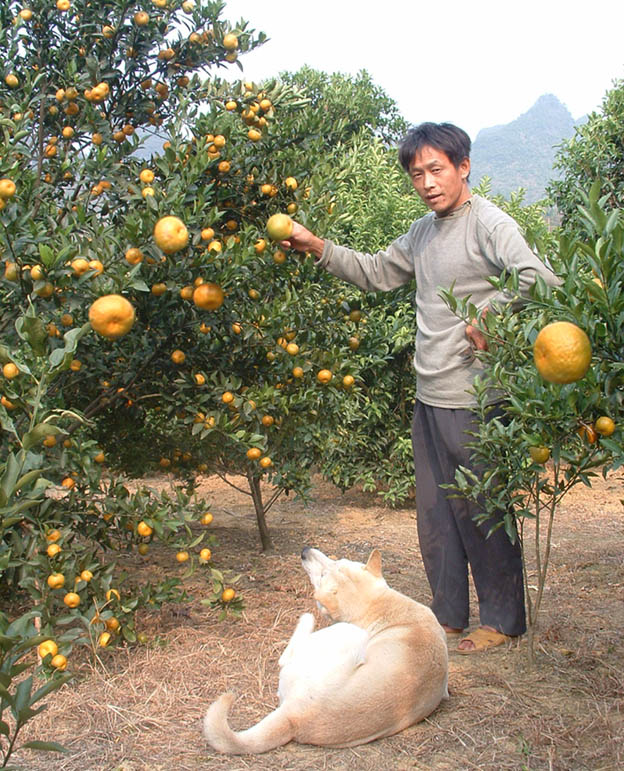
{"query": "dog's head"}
pixel 343 589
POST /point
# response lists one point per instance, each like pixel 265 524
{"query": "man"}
pixel 462 241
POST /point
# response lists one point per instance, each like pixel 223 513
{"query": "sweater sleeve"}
pixel 382 271
pixel 506 248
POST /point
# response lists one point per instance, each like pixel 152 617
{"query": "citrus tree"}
pixel 559 366
pixel 80 82
pixel 595 151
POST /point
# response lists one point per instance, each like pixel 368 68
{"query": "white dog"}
pixel 382 667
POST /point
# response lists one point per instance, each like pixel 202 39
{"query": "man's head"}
pixel 437 158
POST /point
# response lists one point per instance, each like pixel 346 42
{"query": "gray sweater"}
pixel 461 249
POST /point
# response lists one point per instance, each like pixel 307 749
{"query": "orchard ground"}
pixel 139 709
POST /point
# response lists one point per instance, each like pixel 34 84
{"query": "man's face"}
pixel 441 186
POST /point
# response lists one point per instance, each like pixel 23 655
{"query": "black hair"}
pixel 453 141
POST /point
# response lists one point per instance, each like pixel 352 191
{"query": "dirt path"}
pixel 141 709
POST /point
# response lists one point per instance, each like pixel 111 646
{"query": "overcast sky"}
pixel 476 63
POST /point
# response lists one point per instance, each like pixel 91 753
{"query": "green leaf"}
pixel 22 697
pixel 46 746
pixel 31 329
pixel 49 687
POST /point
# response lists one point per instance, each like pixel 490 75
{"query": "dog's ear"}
pixel 374 563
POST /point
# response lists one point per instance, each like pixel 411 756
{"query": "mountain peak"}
pixel 520 154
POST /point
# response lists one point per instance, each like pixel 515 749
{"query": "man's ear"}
pixel 374 563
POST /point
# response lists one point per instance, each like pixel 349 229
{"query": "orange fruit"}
pixel 208 296
pixel 68 483
pixel 159 289
pixel 266 462
pixel 539 454
pixel 253 453
pixel 53 549
pixel 279 227
pixel 170 234
pixel 588 433
pixel 80 266
pixel 72 600
pixel 10 370
pixel 56 580
pixel 348 381
pixel 605 426
pixel 112 624
pixel 112 593
pixel 133 255
pixel 7 188
pixel 324 376
pixel 104 639
pixel 178 356
pixel 562 352
pixel 59 662
pixel 143 529
pixel 228 594
pixel 86 575
pixel 47 647
pixel 297 372
pixel 112 316
pixel 182 556
pixel 206 518
pixel 230 42
pixel 268 420
pixel 53 535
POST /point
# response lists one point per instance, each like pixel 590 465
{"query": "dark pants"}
pixel 449 538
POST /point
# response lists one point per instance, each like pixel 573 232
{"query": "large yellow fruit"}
pixel 230 42
pixel 605 425
pixel 7 188
pixel 72 600
pixel 170 234
pixel 279 227
pixel 46 647
pixel 562 352
pixel 539 454
pixel 208 296
pixel 111 316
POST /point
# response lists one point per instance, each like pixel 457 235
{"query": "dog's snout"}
pixel 305 551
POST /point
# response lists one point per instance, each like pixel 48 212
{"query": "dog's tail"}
pixel 272 731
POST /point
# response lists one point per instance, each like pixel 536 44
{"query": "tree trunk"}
pixel 256 494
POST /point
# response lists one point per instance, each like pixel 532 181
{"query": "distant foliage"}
pixel 348 104
pixel 595 151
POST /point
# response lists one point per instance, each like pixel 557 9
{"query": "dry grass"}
pixel 140 709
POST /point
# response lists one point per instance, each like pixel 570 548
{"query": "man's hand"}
pixel 304 240
pixel 476 337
